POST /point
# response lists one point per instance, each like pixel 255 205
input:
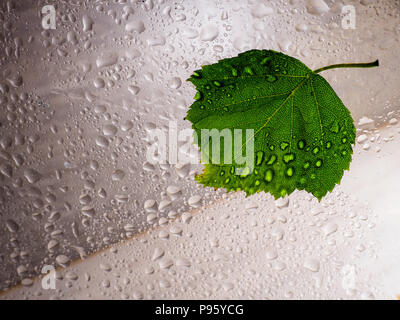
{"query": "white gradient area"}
pixel 255 248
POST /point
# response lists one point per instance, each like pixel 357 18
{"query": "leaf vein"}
pixel 248 100
pixel 254 76
pixel 276 111
pixel 319 118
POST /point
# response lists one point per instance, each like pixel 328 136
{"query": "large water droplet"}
pixel 135 25
pixel 209 32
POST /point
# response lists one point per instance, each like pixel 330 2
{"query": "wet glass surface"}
pixel 78 103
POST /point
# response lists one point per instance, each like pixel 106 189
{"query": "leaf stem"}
pixel 349 65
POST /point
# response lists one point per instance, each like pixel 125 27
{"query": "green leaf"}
pixel 303 133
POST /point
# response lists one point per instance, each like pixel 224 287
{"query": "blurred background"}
pixel 82 83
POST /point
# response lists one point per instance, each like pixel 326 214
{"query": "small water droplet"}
pixel 284 145
pixel 259 157
pixel 301 144
pixel 334 127
pixel 328 145
pixel 312 264
pixel 271 78
pixel 197 96
pixel 272 159
pixel 217 83
pixel 195 201
pixel 197 74
pixel 245 172
pixel 248 70
pixel 134 90
pixel 271 254
pixel 269 175
pixel 315 150
pixel 31 175
pixel 288 157
pixel 329 228
pixel 265 60
pixel 175 83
